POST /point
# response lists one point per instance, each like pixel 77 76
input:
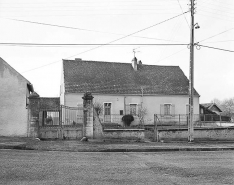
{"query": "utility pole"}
pixel 191 76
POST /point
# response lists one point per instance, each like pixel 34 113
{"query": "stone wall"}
pixel 36 104
pixel 199 133
pixel 50 103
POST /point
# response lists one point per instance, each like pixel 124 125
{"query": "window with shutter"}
pixel 133 110
pixel 173 110
pixel 161 109
pixel 167 109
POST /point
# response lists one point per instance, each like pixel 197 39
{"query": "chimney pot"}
pixel 134 63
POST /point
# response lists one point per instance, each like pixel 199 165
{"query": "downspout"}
pixel 142 94
pixel 124 105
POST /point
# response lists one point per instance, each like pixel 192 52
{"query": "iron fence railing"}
pixel 63 116
pixel 114 121
pixel 181 120
pixel 71 115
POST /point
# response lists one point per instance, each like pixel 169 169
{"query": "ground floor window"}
pixel 133 109
pixel 167 109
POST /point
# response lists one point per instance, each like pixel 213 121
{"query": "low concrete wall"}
pixel 100 133
pixel 124 134
pixel 199 133
pixel 58 132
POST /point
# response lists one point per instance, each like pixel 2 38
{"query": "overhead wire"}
pixel 64 45
pixel 216 34
pixel 130 34
pixel 221 49
pixel 202 14
pixel 111 41
pixel 184 15
pixel 83 29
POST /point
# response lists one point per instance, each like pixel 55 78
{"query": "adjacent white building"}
pixel 127 88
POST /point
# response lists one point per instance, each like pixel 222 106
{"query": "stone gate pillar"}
pixel 88 115
pixel 33 114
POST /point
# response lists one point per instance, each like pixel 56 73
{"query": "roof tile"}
pixel 120 78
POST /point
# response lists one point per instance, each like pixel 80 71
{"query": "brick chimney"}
pixel 134 63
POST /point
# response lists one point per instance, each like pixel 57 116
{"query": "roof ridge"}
pixel 118 63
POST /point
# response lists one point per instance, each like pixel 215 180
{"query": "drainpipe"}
pixel 124 105
pixel 142 97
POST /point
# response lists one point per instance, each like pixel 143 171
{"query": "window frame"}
pixel 136 113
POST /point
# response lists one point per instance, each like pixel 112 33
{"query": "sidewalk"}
pixel 112 146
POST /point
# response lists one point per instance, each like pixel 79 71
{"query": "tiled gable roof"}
pixel 210 105
pixel 120 78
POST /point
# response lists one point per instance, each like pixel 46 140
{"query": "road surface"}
pixel 38 167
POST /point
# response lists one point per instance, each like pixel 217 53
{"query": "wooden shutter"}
pixel 173 109
pixel 162 110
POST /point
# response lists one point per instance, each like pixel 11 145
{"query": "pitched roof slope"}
pixel 120 78
pixel 210 105
pixel 4 64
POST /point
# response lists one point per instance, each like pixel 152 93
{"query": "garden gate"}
pixel 61 123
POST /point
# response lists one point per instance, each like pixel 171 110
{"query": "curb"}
pixel 16 147
pixel 24 147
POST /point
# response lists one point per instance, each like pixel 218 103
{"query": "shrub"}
pixel 49 120
pixel 127 119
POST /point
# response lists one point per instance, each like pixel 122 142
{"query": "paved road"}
pixel 33 167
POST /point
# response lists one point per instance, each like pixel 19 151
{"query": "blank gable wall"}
pixel 13 112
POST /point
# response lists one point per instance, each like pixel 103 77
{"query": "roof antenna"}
pixel 134 51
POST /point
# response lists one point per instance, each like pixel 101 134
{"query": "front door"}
pixel 107 112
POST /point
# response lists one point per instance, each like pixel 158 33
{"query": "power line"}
pixel 64 45
pixel 110 41
pixel 220 41
pixel 82 29
pixel 216 48
pixel 129 34
pixel 216 34
pixel 214 17
pixel 183 11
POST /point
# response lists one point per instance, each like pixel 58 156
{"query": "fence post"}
pixel 88 115
pixel 60 122
pixel 155 129
pixel 179 120
pixel 199 119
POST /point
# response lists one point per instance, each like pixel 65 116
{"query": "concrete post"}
pixel 33 117
pixel 88 115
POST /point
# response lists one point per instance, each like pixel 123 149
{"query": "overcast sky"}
pixel 102 21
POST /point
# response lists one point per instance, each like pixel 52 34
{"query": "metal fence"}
pixel 115 121
pixel 72 115
pixel 181 120
pixel 62 116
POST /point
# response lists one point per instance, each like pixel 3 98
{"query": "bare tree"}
pixel 216 101
pixel 141 114
pixel 98 108
pixel 226 105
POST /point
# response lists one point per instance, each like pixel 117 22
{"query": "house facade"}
pixel 210 108
pixel 127 88
pixel 14 92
